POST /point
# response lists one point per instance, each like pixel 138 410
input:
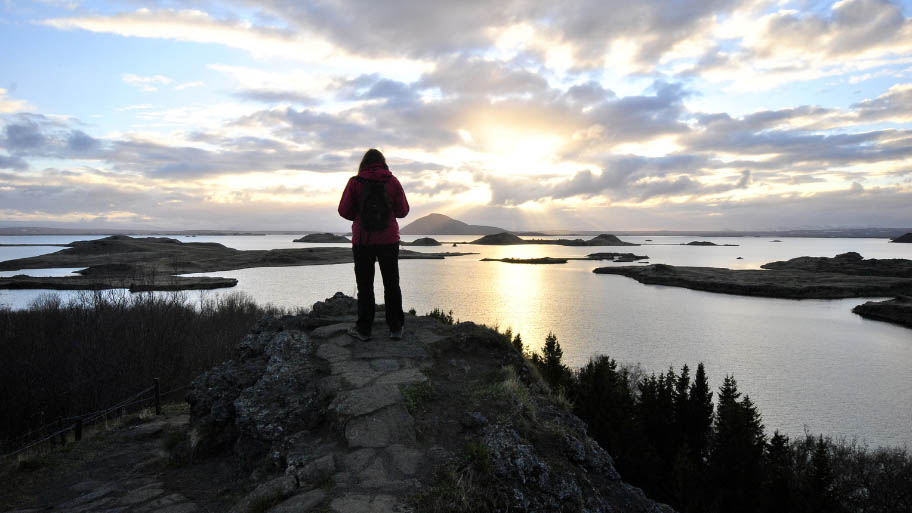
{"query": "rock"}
pixel 404 459
pixel 339 305
pixel 300 503
pixel 273 490
pixel 365 400
pixel 382 428
pixel 141 495
pixel 302 407
pixel 474 419
pixel 323 238
pixel 317 471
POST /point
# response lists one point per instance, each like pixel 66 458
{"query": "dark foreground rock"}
pixel 449 416
pixel 907 238
pixel 154 263
pixel 789 283
pixel 897 310
pixel 323 238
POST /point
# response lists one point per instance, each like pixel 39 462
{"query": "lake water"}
pixel 808 364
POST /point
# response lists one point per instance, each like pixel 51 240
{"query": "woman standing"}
pixel 373 200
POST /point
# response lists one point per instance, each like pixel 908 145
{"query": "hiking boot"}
pixel 396 334
pixel 353 332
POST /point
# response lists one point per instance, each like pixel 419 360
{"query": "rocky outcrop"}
pixel 897 310
pixel 320 420
pixel 324 238
pixel 907 238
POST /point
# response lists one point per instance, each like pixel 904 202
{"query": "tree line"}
pixel 701 450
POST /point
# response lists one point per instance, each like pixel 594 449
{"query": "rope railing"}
pixel 77 422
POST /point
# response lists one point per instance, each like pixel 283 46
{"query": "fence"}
pixel 49 435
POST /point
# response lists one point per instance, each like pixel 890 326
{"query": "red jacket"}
pixel 350 205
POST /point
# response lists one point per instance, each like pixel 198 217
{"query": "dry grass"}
pixel 62 359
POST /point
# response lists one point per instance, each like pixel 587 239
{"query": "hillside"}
pixel 305 418
pixel 439 224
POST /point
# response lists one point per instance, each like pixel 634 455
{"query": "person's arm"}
pixel 347 203
pixel 400 203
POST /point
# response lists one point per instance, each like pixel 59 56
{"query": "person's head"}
pixel 371 158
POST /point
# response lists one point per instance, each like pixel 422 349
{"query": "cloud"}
pixel 8 104
pixel 11 162
pixel 894 105
pixel 149 83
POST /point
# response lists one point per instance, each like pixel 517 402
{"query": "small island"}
pixel 843 276
pixel 897 310
pixel 156 263
pixel 705 243
pixel 323 238
pixel 541 260
pixel 508 239
pixel 907 238
pixel 423 241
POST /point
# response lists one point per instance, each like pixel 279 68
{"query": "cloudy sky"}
pixel 586 114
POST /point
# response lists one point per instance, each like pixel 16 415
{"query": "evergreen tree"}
pixel 699 417
pixel 821 486
pixel 779 470
pixel 518 344
pixel 551 366
pixel 603 399
pixel 736 458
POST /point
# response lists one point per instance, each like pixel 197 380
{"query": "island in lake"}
pixel 907 238
pixel 509 239
pixel 423 241
pixel 614 257
pixel 843 276
pixel 155 263
pixel 324 238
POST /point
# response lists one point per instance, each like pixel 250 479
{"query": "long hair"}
pixel 371 158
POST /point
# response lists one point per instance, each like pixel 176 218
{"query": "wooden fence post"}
pixel 158 405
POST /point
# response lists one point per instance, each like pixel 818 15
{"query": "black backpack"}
pixel 375 205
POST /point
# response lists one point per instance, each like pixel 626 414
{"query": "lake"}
pixel 808 364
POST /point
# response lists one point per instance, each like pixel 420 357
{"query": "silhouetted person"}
pixel 373 200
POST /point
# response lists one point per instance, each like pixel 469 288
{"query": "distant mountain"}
pixel 439 224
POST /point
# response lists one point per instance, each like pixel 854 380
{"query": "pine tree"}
pixel 551 366
pixel 779 470
pixel 736 458
pixel 699 421
pixel 822 496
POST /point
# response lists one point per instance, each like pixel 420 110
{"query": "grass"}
pixel 416 393
pixel 62 359
pixel 440 315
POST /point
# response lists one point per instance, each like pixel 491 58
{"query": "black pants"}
pixel 388 256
